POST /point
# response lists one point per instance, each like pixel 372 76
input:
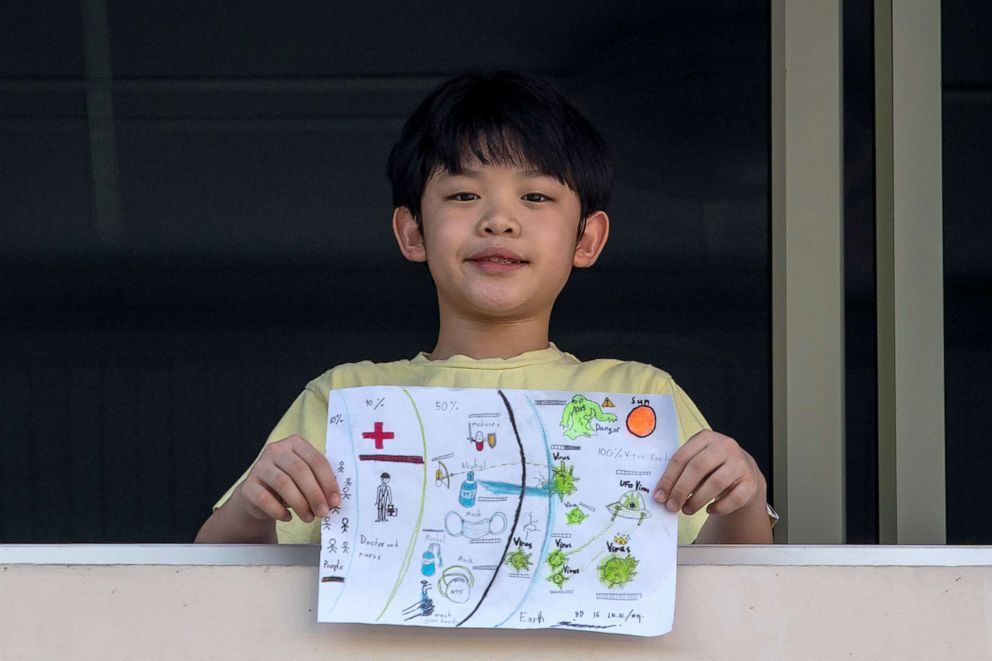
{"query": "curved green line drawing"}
pixel 592 539
pixel 420 512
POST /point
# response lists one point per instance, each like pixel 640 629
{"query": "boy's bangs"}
pixel 500 146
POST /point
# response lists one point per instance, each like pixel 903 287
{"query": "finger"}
pixel 263 503
pixel 306 482
pixel 722 479
pixel 735 498
pixel 692 477
pixel 284 488
pixel 676 465
pixel 323 473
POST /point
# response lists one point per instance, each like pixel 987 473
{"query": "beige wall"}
pixel 749 611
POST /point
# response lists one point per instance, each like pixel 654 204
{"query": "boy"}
pixel 500 186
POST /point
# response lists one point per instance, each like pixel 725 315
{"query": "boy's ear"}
pixel 408 235
pixel 592 241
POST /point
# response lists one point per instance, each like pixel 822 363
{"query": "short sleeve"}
pixel 306 416
pixel 691 422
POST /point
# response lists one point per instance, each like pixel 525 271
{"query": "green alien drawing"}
pixel 578 415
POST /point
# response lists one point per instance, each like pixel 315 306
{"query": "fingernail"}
pixel 322 511
pixel 673 506
pixel 659 496
pixel 335 500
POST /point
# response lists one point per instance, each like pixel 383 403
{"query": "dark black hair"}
pixel 501 118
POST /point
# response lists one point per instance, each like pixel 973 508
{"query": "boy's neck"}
pixel 487 339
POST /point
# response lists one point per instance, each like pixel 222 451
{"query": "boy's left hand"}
pixel 710 465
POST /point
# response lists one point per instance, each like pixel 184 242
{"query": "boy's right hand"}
pixel 289 473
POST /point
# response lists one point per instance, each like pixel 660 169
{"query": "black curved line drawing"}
pixel 516 515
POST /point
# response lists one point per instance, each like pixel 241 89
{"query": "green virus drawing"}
pixel 575 516
pixel 518 560
pixel 556 559
pixel 577 417
pixel 559 578
pixel 615 571
pixel 563 481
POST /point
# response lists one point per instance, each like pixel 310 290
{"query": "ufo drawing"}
pixel 630 506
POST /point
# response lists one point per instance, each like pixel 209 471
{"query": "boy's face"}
pixel 500 241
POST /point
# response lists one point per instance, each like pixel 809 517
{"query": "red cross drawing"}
pixel 378 435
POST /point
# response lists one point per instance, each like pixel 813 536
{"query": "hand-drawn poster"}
pixel 499 508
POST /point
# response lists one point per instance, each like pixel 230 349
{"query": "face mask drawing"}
pixel 456 584
pixel 456 526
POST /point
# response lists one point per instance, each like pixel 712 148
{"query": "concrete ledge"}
pixel 736 602
pixel 307 555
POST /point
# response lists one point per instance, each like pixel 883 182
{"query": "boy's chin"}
pixel 499 310
pixel 498 307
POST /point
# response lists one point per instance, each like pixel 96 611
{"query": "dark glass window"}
pixel 966 57
pixel 186 243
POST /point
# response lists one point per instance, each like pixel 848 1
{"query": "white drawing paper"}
pixel 499 508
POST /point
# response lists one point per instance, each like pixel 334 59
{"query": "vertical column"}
pixel 909 272
pixel 807 271
pixel 100 116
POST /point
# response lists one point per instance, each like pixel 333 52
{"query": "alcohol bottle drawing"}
pixel 469 488
pixel 427 568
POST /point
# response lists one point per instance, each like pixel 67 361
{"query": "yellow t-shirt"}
pixel 547 369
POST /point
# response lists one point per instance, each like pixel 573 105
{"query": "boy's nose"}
pixel 498 221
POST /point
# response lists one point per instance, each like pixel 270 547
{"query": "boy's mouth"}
pixel 495 259
pixel 497 256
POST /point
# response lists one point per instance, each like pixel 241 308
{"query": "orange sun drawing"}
pixel 641 421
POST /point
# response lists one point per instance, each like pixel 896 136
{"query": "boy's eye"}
pixel 463 197
pixel 536 197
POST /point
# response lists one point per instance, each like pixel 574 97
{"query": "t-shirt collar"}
pixel 526 359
